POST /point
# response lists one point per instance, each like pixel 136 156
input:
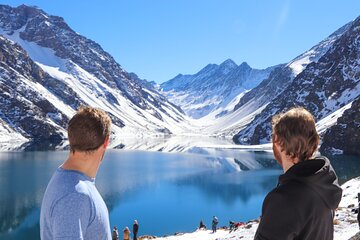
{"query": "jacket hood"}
pixel 319 175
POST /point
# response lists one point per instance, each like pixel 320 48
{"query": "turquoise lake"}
pixel 165 192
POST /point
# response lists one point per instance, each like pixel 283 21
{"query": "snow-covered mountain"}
pixel 47 71
pixel 214 89
pixel 284 74
pixel 329 80
pixel 56 70
pixel 243 109
pixel 324 79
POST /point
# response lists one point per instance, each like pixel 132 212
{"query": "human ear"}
pixel 106 142
pixel 274 138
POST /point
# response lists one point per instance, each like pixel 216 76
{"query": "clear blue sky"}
pixel 157 39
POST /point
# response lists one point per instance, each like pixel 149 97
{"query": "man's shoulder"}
pixel 65 182
pixel 285 199
pixel 291 191
pixel 74 200
pixel 297 193
pixel 64 187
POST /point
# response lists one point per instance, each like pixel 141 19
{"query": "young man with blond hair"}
pixel 302 205
pixel 72 207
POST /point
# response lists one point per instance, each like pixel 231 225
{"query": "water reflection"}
pixel 232 188
pixel 346 167
pixel 23 179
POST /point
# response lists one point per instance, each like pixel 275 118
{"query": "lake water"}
pixel 165 192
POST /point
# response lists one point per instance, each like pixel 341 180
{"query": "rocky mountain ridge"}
pixel 213 87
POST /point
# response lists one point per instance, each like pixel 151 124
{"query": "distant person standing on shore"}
pixel 72 207
pixel 214 224
pixel 135 229
pixel 126 233
pixel 302 206
pixel 115 233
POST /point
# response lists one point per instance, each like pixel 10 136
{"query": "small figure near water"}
pixel 135 229
pixel 233 226
pixel 126 233
pixel 214 224
pixel 115 234
pixel 202 226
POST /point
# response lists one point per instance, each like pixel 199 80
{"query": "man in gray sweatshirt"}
pixel 72 207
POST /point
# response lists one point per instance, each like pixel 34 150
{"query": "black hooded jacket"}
pixel 302 205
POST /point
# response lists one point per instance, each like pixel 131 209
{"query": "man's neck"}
pixel 284 160
pixel 87 163
pixel 287 161
pixel 287 165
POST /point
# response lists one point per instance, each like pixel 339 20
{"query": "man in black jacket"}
pixel 302 205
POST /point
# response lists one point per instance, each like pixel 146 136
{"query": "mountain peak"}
pixel 227 66
pixel 229 63
pixel 24 6
pixel 244 64
pixel 29 11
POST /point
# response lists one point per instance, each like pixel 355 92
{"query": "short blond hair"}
pixel 88 129
pixel 296 133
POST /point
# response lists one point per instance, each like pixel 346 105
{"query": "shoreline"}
pixel 345 222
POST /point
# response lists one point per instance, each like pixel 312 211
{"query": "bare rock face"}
pixel 22 108
pixel 278 79
pixel 345 135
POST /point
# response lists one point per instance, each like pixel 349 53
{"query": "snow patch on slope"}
pixel 330 120
pixel 9 139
